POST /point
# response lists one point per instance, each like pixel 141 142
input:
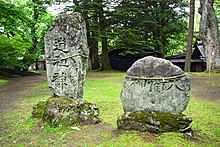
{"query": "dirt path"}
pixel 206 88
pixel 17 88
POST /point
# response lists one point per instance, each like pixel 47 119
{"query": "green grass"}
pixel 3 82
pixel 44 85
pixel 20 129
pixel 211 83
pixel 203 74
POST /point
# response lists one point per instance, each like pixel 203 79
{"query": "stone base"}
pixel 156 122
pixel 66 111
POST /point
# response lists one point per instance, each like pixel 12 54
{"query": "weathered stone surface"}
pixel 66 53
pixel 154 95
pixel 66 111
pixel 154 84
pixel 156 122
pixel 154 67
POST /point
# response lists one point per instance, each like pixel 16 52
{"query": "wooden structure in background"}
pixel 198 60
pixel 118 61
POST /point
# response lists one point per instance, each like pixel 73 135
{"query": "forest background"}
pixel 152 27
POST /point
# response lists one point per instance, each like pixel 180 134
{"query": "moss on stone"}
pixel 39 109
pixel 153 121
pixel 67 111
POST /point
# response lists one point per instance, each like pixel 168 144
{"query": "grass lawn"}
pixel 2 82
pixel 20 129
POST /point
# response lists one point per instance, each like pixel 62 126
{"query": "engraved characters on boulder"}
pixel 161 91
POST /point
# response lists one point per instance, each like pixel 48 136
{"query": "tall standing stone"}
pixel 67 54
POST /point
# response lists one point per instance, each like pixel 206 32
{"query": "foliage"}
pixel 136 26
pixel 12 19
pixel 16 35
pixel 144 26
pixel 217 10
pixel 103 88
pixel 40 21
pixel 11 53
pixel 150 24
pixel 13 43
pixel 176 44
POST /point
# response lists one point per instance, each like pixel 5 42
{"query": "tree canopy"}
pixel 13 40
pixel 150 24
pixel 144 27
pixel 21 34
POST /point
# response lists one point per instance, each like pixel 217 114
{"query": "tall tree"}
pixel 14 40
pixel 22 34
pixel 102 26
pixel 190 36
pixel 209 34
pixel 38 13
pixel 94 48
pixel 149 24
pixel 132 25
pixel 88 8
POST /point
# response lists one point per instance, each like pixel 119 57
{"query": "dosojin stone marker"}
pixel 67 53
pixel 155 84
pixel 154 95
pixel 66 58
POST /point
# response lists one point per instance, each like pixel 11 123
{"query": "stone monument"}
pixel 155 92
pixel 67 54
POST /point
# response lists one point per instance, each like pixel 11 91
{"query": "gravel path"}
pixel 17 88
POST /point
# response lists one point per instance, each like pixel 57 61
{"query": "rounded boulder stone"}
pixel 155 84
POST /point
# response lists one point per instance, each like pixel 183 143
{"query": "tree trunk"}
pixel 84 7
pixel 34 39
pixel 162 45
pixel 105 57
pixel 209 33
pixel 92 34
pixel 94 45
pixel 162 37
pixel 36 65
pixel 190 37
pixel 90 49
pixel 94 56
pixel 33 30
pixel 102 24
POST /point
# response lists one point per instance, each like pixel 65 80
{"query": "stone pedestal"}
pixel 66 111
pixel 155 122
